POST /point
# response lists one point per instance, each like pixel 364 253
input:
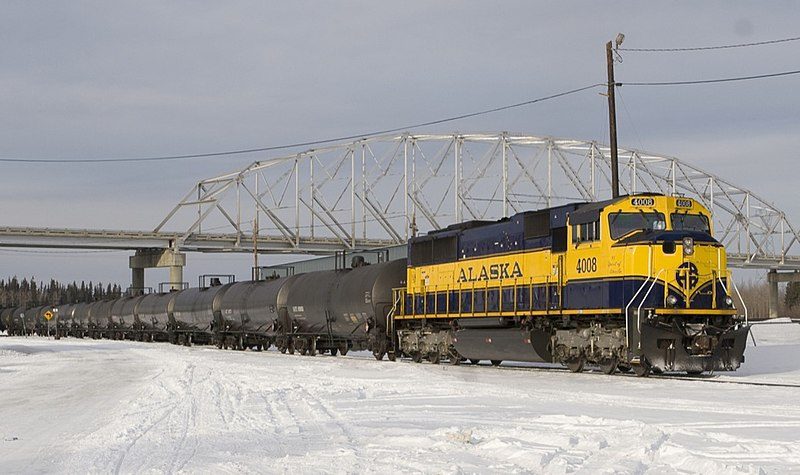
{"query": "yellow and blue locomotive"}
pixel 636 282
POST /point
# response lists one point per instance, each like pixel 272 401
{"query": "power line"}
pixel 710 81
pixel 706 48
pixel 303 144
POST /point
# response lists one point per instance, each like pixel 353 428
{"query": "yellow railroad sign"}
pixel 48 315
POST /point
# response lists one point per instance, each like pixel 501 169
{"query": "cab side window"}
pixel 586 232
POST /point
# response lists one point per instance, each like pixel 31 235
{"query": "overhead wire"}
pixel 709 81
pixel 706 48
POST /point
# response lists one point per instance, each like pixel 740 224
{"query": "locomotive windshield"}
pixel 623 223
pixel 690 222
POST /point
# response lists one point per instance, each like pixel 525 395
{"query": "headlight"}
pixel 672 300
pixel 728 301
pixel 688 246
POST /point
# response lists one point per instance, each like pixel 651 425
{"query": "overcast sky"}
pixel 123 79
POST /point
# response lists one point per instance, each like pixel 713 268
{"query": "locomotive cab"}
pixel 654 257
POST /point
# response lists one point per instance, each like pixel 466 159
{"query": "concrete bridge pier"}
pixel 150 258
pixel 774 278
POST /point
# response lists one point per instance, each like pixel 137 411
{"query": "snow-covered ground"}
pixel 76 406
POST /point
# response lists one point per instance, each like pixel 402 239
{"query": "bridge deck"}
pixel 203 242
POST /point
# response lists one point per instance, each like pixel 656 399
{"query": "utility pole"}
pixel 612 115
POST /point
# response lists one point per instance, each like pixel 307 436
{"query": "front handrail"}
pixel 639 308
pixel 733 283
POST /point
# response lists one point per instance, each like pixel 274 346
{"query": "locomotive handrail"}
pixel 639 308
pixel 733 282
pixel 627 307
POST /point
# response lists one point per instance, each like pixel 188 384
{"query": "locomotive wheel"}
pixel 392 356
pixel 282 349
pixel 291 347
pixel 609 365
pixel 575 365
pixel 416 357
pixel 624 368
pixel 434 357
pixel 642 369
pixel 303 351
pixel 219 343
pixel 312 347
pixel 378 354
pixel 496 362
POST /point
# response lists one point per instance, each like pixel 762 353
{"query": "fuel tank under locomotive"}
pixel 344 303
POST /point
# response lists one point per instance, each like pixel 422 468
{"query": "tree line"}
pixel 30 293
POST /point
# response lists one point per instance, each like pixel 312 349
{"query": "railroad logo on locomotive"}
pixel 687 275
pixel 505 270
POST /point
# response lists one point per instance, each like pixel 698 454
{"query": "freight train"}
pixel 636 283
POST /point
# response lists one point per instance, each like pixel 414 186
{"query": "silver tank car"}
pixel 80 319
pixel 332 308
pixel 122 316
pixel 6 317
pixel 99 318
pixel 30 321
pixel 63 319
pixel 192 318
pixel 152 316
pixel 18 321
pixel 249 314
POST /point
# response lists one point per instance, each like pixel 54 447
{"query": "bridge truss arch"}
pixel 380 190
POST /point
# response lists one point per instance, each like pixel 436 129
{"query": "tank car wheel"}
pixel 378 354
pixel 392 356
pixel 473 361
pixel 496 362
pixel 312 347
pixel 290 347
pixel 343 349
pixel 609 365
pixel 576 365
pixel 416 357
pixel 334 351
pixel 642 369
pixel 454 358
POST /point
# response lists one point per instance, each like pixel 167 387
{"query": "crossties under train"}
pixel 635 282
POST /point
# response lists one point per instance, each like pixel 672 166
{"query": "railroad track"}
pixel 697 379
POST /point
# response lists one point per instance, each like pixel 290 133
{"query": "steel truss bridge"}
pixel 380 190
